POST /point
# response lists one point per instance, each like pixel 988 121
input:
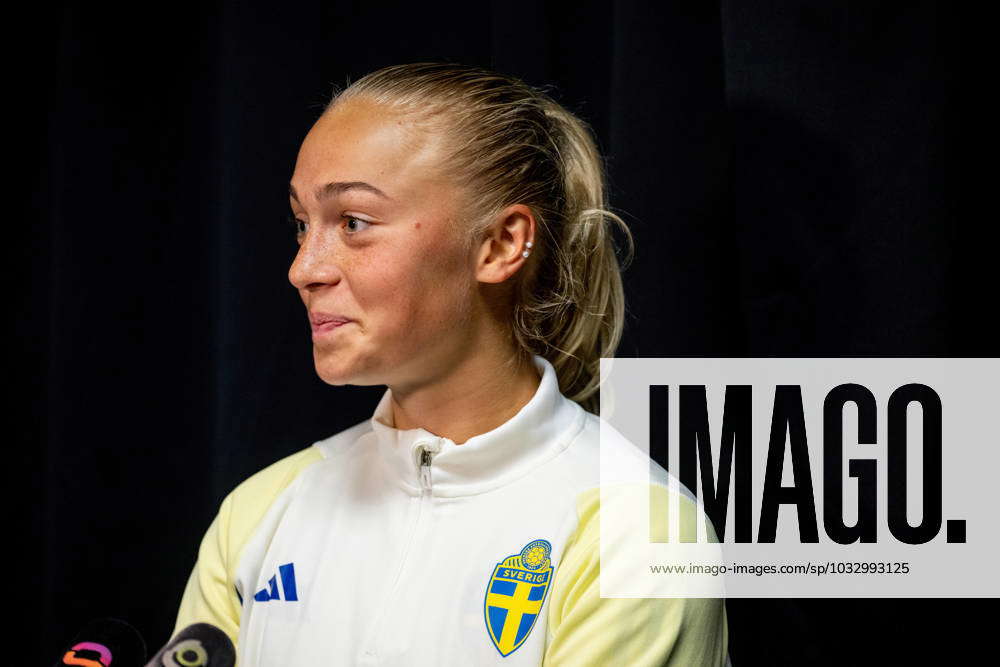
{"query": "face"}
pixel 382 267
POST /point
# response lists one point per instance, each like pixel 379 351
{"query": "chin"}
pixel 341 369
pixel 334 373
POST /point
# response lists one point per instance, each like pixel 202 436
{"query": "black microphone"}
pixel 103 641
pixel 198 645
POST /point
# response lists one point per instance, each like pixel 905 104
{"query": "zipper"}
pixel 425 471
pixel 370 655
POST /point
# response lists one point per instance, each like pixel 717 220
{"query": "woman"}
pixel 453 245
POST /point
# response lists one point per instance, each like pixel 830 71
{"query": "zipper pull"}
pixel 425 469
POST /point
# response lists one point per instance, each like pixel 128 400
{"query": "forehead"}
pixel 361 141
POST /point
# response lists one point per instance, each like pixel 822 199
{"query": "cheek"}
pixel 415 294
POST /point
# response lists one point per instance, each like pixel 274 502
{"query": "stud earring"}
pixel 526 252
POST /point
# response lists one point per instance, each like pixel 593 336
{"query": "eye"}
pixel 354 225
pixel 299 225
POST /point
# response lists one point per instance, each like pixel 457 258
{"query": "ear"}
pixel 502 248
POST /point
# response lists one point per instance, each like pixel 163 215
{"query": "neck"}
pixel 479 394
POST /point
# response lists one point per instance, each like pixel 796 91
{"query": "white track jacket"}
pixel 380 546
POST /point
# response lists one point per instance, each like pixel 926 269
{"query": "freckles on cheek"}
pixel 415 282
pixel 381 281
pixel 391 287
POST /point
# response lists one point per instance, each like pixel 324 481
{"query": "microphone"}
pixel 103 641
pixel 198 645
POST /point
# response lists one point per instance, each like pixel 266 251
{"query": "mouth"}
pixel 325 323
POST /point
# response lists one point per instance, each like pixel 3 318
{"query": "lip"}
pixel 323 323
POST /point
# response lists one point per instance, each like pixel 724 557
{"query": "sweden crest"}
pixel 515 593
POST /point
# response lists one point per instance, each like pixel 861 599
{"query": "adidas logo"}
pixel 270 592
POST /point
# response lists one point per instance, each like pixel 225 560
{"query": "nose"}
pixel 315 265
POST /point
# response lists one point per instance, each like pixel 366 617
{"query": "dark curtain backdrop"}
pixel 790 171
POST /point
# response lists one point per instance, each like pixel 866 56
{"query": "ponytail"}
pixel 580 316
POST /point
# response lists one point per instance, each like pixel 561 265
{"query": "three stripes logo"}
pixel 288 591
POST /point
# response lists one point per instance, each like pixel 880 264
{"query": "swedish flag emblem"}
pixel 515 593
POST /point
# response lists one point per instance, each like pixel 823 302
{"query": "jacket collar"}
pixel 541 429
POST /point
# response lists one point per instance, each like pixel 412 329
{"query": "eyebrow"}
pixel 335 188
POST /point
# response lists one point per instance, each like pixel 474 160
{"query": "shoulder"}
pixel 246 505
pixel 261 488
pixel 211 594
pixel 601 455
pixel 273 479
pixel 613 472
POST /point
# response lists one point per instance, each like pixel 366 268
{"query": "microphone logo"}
pixel 88 648
pixel 186 653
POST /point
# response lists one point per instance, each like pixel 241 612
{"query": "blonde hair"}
pixel 512 143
